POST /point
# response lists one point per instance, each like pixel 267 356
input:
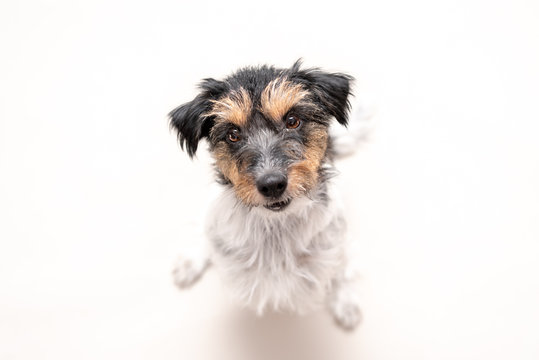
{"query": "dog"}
pixel 277 232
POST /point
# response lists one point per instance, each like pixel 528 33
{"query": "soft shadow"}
pixel 283 336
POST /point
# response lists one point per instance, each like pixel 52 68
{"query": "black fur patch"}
pixel 330 91
pixel 188 119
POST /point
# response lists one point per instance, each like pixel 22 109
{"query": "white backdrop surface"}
pixel 96 200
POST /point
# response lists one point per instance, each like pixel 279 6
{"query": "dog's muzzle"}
pixel 272 185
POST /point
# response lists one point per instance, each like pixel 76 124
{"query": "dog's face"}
pixel 267 129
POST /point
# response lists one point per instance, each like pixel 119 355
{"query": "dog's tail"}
pixel 358 132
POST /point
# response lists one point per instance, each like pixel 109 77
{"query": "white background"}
pixel 96 199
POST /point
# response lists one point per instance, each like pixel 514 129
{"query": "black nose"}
pixel 272 185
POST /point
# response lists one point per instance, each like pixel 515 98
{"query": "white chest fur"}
pixel 284 260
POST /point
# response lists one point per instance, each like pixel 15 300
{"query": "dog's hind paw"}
pixel 187 270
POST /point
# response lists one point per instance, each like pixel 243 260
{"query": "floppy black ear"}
pixel 189 120
pixel 332 89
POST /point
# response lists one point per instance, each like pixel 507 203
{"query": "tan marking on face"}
pixel 236 107
pixel 303 175
pixel 244 185
pixel 279 97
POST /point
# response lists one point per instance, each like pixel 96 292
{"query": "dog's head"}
pixel 267 129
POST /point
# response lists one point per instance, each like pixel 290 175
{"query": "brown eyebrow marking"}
pixel 279 96
pixel 236 107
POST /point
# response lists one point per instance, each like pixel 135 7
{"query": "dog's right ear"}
pixel 189 120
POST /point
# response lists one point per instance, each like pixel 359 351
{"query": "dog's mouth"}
pixel 278 206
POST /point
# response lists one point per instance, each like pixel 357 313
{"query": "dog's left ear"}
pixel 332 89
pixel 190 121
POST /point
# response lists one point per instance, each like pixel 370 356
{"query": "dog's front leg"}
pixel 188 269
pixel 343 301
pixel 191 264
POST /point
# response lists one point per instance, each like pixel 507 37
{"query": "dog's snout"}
pixel 272 185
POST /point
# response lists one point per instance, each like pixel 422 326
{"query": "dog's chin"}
pixel 278 205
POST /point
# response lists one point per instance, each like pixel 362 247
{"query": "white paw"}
pixel 188 270
pixel 346 314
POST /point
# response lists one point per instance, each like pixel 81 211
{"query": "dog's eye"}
pixel 233 135
pixel 292 121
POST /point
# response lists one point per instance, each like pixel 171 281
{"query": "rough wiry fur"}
pixel 283 261
pixel 284 251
